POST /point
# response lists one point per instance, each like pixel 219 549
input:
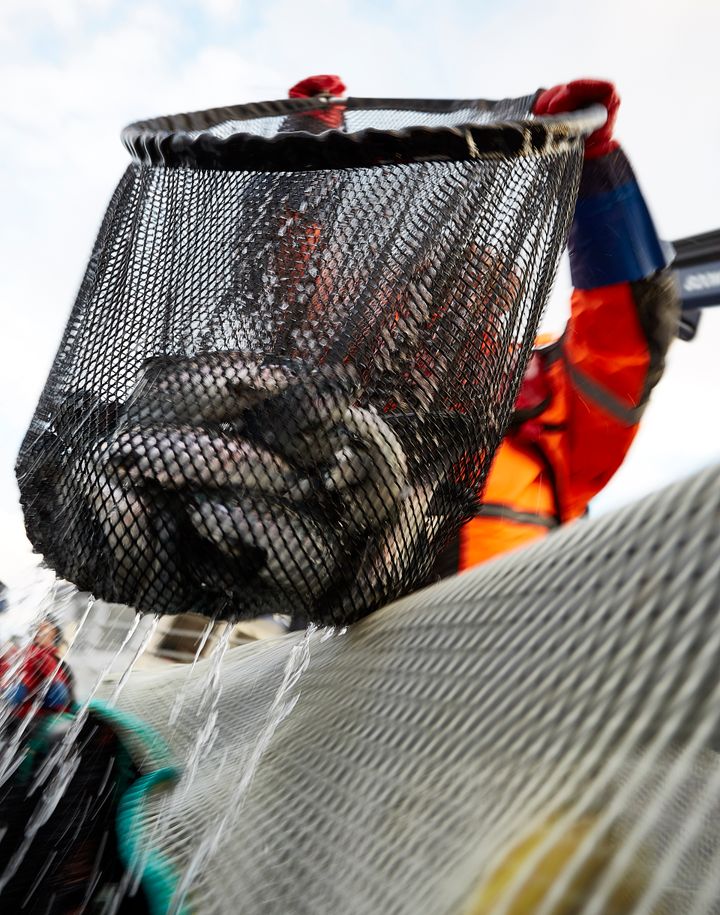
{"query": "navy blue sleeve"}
pixel 612 238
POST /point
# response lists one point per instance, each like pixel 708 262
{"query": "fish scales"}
pixel 211 387
pixel 370 474
pixel 300 554
pixel 186 456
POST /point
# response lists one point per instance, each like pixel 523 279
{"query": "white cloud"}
pixel 226 11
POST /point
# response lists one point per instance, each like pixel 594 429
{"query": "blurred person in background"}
pixel 35 678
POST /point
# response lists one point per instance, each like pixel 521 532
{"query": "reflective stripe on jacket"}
pixel 597 380
pixel 582 397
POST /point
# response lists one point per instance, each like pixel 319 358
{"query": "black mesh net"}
pixel 295 351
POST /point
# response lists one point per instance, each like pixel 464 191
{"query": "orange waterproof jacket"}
pixel 583 395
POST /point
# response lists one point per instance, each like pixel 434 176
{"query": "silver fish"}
pixel 209 387
pixel 308 449
pixel 369 473
pixel 300 555
pixel 183 456
pixel 141 535
pixel 301 422
pixel 392 554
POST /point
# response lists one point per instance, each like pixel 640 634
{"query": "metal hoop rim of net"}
pixel 185 141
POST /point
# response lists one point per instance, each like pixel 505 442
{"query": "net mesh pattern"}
pixel 280 392
pixel 540 734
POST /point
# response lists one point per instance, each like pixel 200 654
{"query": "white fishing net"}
pixel 537 735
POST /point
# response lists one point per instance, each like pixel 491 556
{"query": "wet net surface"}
pixel 538 735
pixel 280 390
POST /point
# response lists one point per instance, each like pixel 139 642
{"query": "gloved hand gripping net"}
pixel 295 351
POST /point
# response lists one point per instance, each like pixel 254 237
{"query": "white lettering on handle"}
pixel 698 281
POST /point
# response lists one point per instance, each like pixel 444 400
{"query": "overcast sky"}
pixel 74 72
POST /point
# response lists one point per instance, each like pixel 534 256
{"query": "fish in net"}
pixel 294 353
